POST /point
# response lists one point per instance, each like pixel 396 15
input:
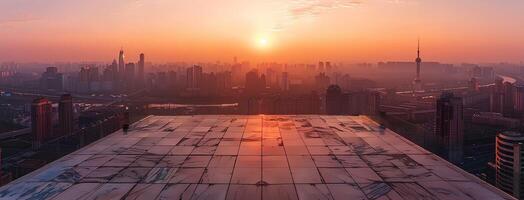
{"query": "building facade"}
pixel 449 128
pixel 41 121
pixel 65 114
pixel 508 162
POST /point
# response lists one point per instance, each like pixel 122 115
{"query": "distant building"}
pixel 52 80
pixel 508 163
pixel 41 121
pixel 363 102
pixel 194 76
pixel 519 101
pixel 89 80
pixel 65 114
pixel 497 96
pixel 121 64
pixel 495 119
pixel 449 133
pixel 473 84
pixel 321 66
pixel 509 99
pixel 130 76
pixel 141 67
pixel 255 83
pixel 322 81
pixel 284 84
pixel 335 101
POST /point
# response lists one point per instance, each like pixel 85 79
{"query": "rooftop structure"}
pixel 251 157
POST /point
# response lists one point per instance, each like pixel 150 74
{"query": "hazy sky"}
pixel 262 30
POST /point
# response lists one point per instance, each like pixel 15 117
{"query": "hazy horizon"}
pixel 296 31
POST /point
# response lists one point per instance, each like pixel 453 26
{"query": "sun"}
pixel 262 42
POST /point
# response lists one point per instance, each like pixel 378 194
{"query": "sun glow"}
pixel 262 42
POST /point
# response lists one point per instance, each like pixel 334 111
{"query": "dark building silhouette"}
pixel 255 83
pixel 41 124
pixel 322 81
pixel 362 102
pixel 194 76
pixel 65 114
pixel 121 64
pixel 473 84
pixel 130 76
pixel 509 99
pixel 497 96
pixel 141 66
pixel 334 100
pixel 52 80
pixel 449 133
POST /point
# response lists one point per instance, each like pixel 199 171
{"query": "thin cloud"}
pixel 298 9
pixel 18 19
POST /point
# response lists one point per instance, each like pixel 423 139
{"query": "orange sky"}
pixel 295 30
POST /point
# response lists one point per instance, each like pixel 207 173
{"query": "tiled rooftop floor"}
pixel 251 157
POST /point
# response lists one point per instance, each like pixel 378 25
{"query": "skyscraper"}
pixel 194 77
pixel 190 78
pixel 449 133
pixel 473 84
pixel 141 65
pixel 65 114
pixel 130 75
pixel 508 163
pixel 285 81
pixel 121 63
pixel 417 83
pixel 114 70
pixel 198 76
pixel 497 96
pixel 52 80
pixel 41 124
pixel 334 100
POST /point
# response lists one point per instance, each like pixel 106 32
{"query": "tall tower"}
pixel 417 83
pixel 65 114
pixel 121 63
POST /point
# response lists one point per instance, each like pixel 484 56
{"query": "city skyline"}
pixel 261 31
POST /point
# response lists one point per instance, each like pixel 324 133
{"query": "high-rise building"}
pixel 509 163
pixel 473 84
pixel 130 75
pixel 255 83
pixel 41 124
pixel 334 100
pixel 141 66
pixel 449 133
pixel 284 84
pixel 322 81
pixel 509 99
pixel 320 66
pixel 65 114
pixel 519 101
pixel 194 77
pixel 52 80
pixel 198 76
pixel 497 96
pixel 190 78
pixel 121 63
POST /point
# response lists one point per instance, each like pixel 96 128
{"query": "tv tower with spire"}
pixel 417 83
